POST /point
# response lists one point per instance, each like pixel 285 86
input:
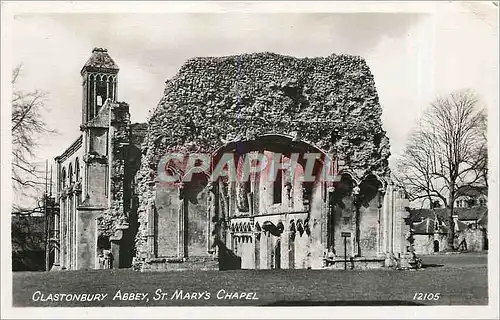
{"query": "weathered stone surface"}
pixel 330 102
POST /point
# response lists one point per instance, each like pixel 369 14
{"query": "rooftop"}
pixel 100 60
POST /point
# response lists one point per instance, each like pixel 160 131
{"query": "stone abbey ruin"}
pixel 115 208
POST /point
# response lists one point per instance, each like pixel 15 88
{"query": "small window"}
pixel 307 188
pixel 101 92
pixel 77 170
pixel 70 174
pixel 63 178
pixel 278 187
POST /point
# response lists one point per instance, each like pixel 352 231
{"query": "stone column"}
pixel 285 256
pixel 230 241
pixel 270 251
pixel 150 209
pixel 385 217
pixel 212 223
pixel 76 236
pixel 107 89
pixel 380 228
pixel 114 88
pixel 401 232
pixel 389 261
pixel 57 239
pixel 71 231
pixel 391 222
pixel 291 250
pixel 60 224
pixel 181 252
pixel 256 260
pixel 355 222
pixel 94 96
pixel 329 233
pixel 64 231
pixel 396 229
pixel 263 250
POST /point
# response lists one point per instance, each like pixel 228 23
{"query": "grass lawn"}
pixel 460 280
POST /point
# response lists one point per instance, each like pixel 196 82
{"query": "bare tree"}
pixel 448 150
pixel 28 126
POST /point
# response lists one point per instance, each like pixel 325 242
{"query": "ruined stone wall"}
pixel 330 102
pixel 167 202
pixel 474 239
pixel 369 218
pixel 119 138
pixel 424 243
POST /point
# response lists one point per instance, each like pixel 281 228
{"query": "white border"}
pixel 9 8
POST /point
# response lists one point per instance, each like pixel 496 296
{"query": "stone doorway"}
pixel 436 246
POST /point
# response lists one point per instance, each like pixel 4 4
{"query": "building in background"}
pixel 429 227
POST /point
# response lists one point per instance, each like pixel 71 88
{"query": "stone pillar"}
pixel 397 224
pixel 71 231
pixel 76 237
pixel 380 227
pixel 65 228
pixel 57 239
pixel 291 250
pixel 389 261
pixel 270 251
pixel 150 209
pixel 107 89
pixel 330 226
pixel 181 252
pixel 263 250
pixel 391 221
pixel 251 247
pixel 230 240
pixel 62 235
pixel 256 244
pixel 212 219
pixel 355 222
pixel 385 218
pixel 94 96
pixel 401 230
pixel 285 256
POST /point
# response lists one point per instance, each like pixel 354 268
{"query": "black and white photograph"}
pixel 286 159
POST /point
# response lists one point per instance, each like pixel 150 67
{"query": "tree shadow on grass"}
pixel 304 303
pixel 431 265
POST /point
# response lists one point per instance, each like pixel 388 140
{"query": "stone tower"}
pixel 99 83
pixel 94 176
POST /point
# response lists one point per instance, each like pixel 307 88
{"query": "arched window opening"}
pixel 77 170
pixel 101 92
pixel 70 174
pixel 278 187
pixel 63 178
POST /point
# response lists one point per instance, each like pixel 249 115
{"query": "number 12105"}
pixel 426 296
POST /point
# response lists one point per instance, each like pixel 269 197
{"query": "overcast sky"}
pixel 414 57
